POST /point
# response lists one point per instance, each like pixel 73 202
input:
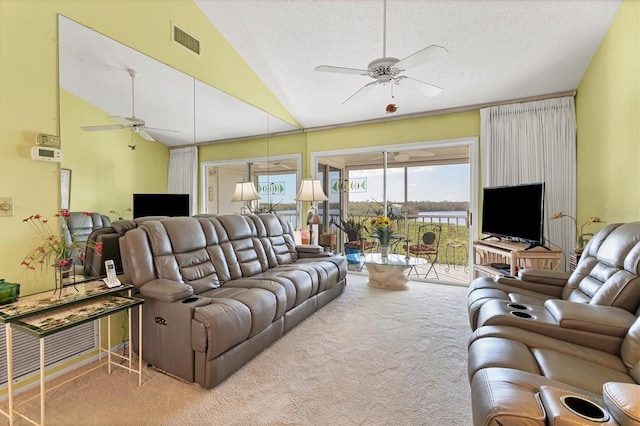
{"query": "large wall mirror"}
pixel 106 84
pixel 274 178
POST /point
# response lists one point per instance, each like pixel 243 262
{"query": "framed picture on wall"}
pixel 65 188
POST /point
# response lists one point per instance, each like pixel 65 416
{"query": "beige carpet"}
pixel 370 357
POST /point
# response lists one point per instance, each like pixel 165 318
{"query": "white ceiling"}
pixel 498 50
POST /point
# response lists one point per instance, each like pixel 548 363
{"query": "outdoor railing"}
pixel 454 234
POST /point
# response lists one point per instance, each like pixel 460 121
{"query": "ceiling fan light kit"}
pixel 388 69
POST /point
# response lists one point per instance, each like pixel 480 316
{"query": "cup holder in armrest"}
pixel 584 408
pixel 521 314
pixel 518 306
pixel 190 299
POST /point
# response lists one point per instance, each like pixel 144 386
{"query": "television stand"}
pixel 516 255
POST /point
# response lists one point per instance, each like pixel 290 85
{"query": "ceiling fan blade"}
pixel 429 90
pixel 421 56
pixel 162 130
pixel 360 92
pixel 421 153
pixel 143 133
pixel 124 121
pixel 105 127
pixel 340 70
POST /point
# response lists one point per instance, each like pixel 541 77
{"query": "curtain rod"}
pixel 441 111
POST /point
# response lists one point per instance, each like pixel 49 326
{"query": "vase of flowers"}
pixel 53 248
pixel 381 229
pixel 581 237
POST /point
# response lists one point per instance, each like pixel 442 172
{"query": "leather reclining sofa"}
pixel 220 289
pixel 553 348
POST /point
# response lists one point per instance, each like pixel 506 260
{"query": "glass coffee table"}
pixel 388 273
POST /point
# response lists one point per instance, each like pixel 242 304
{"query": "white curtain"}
pixel 183 174
pixel 535 142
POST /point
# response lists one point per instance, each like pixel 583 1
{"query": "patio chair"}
pixel 428 249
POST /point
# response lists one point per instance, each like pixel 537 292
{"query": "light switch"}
pixel 6 206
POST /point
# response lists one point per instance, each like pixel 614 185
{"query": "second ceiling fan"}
pixel 135 124
pixel 388 69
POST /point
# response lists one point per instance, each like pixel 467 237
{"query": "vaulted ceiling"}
pixel 497 50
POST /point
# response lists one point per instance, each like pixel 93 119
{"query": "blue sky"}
pixel 426 183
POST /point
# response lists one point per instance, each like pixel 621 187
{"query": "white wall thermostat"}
pixel 45 153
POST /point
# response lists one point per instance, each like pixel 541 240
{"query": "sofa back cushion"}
pixel 178 246
pixel 609 269
pixel 205 252
pixel 243 250
pixel 277 238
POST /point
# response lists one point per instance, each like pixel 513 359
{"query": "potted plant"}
pixel 352 227
pixel 53 248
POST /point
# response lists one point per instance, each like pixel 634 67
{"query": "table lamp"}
pixel 311 190
pixel 245 191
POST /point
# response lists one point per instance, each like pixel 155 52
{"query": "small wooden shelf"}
pixel 516 255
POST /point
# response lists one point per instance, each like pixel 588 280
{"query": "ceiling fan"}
pixel 387 69
pixel 135 124
pixel 275 164
pixel 402 156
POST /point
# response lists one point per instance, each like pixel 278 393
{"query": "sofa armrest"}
pixel 549 287
pixel 623 401
pixel 544 276
pixel 166 290
pixel 309 250
pixel 598 319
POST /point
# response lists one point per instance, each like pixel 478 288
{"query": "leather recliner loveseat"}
pixel 218 290
pixel 567 349
pixel 606 275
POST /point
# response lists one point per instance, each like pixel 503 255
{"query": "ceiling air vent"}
pixel 181 37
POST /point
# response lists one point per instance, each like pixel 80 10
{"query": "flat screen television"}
pixel 161 205
pixel 514 212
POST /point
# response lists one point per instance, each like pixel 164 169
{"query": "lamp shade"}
pixel 245 191
pixel 311 190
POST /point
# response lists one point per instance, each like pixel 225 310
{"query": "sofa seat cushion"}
pixel 575 365
pixel 278 290
pixel 234 315
pixel 578 372
pixel 298 284
pixel 498 352
pixel 327 267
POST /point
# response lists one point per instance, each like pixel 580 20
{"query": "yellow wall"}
pixel 111 171
pixel 608 117
pixel 29 105
pixel 448 126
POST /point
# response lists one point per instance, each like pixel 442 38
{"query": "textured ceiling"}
pixel 498 50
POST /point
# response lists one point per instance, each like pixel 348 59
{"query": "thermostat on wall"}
pixel 44 153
